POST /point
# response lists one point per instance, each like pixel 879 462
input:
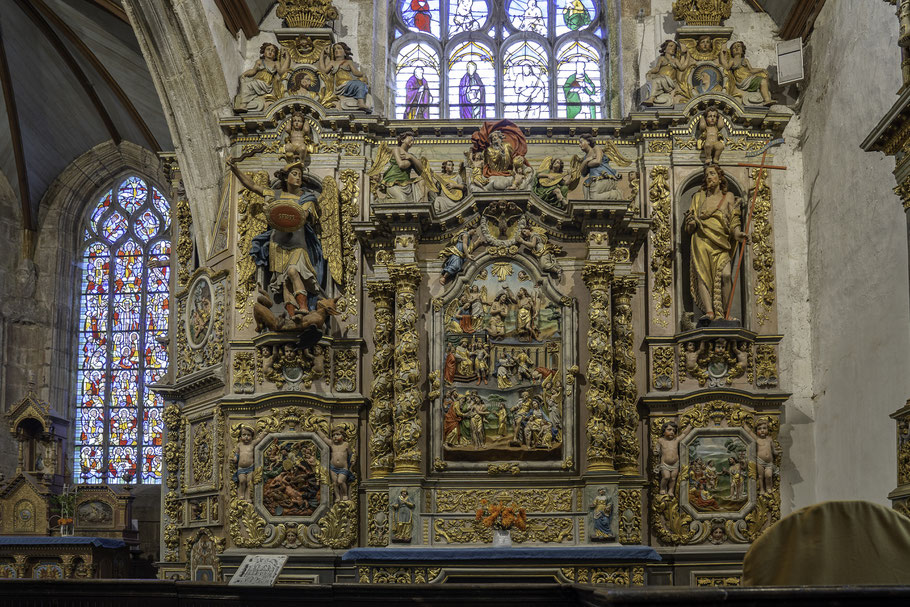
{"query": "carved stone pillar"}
pixel 626 426
pixel 599 397
pixel 406 278
pixel 382 390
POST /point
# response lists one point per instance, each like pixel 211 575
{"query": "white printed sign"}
pixel 259 570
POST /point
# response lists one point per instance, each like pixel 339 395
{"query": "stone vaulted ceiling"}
pixel 73 76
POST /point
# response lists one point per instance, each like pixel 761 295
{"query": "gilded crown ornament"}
pixel 307 13
pixel 702 12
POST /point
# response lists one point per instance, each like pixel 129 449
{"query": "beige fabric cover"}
pixel 832 543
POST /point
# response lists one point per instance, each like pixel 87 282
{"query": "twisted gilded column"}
pixel 406 278
pixel 599 397
pixel 626 426
pixel 382 390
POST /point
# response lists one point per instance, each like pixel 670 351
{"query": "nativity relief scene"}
pixel 488 289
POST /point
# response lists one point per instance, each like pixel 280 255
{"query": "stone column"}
pixel 599 397
pixel 382 391
pixel 626 427
pixel 406 278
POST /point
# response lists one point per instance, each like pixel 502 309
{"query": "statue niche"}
pixel 501 366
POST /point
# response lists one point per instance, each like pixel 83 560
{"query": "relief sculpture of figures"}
pixel 501 146
pixel 404 518
pixel 261 84
pixel 751 84
pixel 713 220
pixel 292 254
pixel 667 451
pixel 602 515
pixel 341 73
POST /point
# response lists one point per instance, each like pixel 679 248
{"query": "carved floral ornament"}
pixel 702 12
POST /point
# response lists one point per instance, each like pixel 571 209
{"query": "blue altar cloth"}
pixel 71 540
pixel 543 553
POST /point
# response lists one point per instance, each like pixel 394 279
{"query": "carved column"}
pixel 382 391
pixel 626 426
pixel 599 397
pixel 406 278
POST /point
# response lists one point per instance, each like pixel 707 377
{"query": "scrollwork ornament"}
pixel 408 397
pixel 378 522
pixel 250 222
pixel 338 528
pixel 765 366
pixel 349 211
pixel 629 516
pixel 599 397
pixel 661 245
pixel 662 368
pixel 532 500
pixel 702 12
pixel 202 453
pixel 344 365
pixel 184 241
pixel 626 426
pixel 660 146
pixel 244 373
pixel 903 191
pixel 763 249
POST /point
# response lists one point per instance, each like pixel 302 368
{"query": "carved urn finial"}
pixel 306 13
pixel 702 12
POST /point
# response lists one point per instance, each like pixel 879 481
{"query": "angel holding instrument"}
pixel 600 176
pixel 447 187
pixel 299 270
pixel 553 184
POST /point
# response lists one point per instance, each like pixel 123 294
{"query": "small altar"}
pixel 608 565
pixel 57 558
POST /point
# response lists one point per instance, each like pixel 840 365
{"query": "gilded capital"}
pixel 702 12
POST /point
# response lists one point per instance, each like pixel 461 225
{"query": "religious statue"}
pixel 245 458
pixel 404 517
pixel 472 94
pixel 417 97
pixel 453 415
pixel 396 182
pixel 298 142
pixel 710 139
pixel 502 147
pixel 764 454
pixel 459 249
pixel 600 177
pixel 536 240
pixel 553 184
pixel 344 77
pixel 713 220
pixel 340 463
pixel 602 516
pixel 667 450
pixel 751 84
pixel 292 255
pixel 261 84
pixel 451 187
pixel 663 77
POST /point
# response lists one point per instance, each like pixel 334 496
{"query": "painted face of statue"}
pixel 669 432
pixel 711 117
pixel 583 144
pixel 297 123
pixel 671 49
pixel 246 435
pixel 704 44
pixel 738 49
pixel 295 177
pixel 557 166
pixel 496 138
pixel 762 430
pixel 270 52
pixel 712 179
pixel 338 51
pixel 448 167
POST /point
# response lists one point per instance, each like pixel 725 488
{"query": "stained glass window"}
pixel 485 59
pixel 124 304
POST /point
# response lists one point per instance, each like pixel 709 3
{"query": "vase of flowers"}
pixel 502 519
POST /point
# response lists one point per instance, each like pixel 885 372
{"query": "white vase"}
pixel 502 538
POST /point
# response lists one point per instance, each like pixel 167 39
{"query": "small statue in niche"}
pixel 245 458
pixel 553 184
pixel 340 462
pixel 404 518
pixel 339 70
pixel 536 240
pixel 298 142
pixel 764 453
pixel 714 221
pixel 461 247
pixel 663 77
pixel 600 177
pixel 751 83
pixel 710 139
pixel 261 84
pixel 602 516
pixel 452 187
pixel 396 182
pixel 667 449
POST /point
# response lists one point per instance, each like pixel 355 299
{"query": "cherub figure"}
pixel 245 458
pixel 690 355
pixel 521 174
pixel 298 141
pixel 711 139
pixel 667 449
pixel 764 453
pixel 340 460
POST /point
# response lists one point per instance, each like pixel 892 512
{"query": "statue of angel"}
pixel 396 182
pixel 536 239
pixel 553 184
pixel 600 177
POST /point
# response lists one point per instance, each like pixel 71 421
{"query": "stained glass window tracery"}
pixel 485 59
pixel 123 311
